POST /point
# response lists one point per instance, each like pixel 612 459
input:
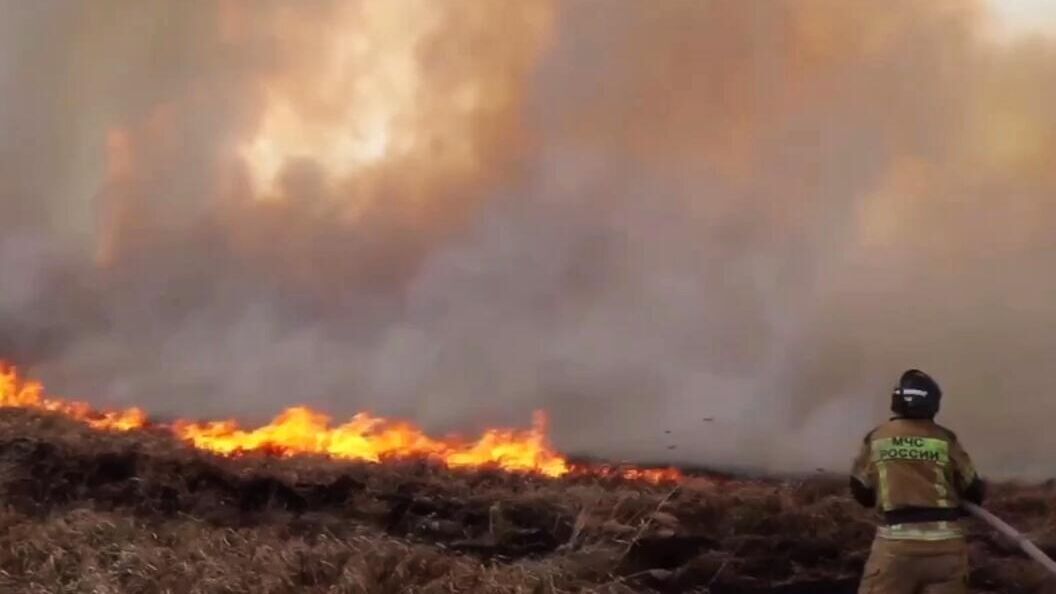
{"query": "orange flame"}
pixel 301 430
pixel 30 394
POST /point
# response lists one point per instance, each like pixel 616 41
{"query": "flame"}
pixel 303 431
pixel 17 393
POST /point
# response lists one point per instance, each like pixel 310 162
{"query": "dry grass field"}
pixel 89 511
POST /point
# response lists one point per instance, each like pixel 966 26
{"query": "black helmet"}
pixel 917 396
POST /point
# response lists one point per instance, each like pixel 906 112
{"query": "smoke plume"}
pixel 703 232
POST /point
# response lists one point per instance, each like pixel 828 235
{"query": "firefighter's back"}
pixel 916 461
pixel 916 474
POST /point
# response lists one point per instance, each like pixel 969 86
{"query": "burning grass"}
pixel 90 511
pixel 299 431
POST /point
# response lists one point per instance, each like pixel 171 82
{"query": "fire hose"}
pixel 1024 543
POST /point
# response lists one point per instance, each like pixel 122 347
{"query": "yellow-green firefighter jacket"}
pixel 919 474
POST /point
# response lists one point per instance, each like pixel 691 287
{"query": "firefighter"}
pixel 916 474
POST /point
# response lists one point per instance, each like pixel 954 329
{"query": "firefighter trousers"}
pixel 916 567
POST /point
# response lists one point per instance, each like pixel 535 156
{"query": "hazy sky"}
pixel 1027 15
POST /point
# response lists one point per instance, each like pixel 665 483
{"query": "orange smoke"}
pixel 391 101
pixel 303 431
pixel 387 121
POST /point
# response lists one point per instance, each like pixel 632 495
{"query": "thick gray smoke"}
pixel 721 226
